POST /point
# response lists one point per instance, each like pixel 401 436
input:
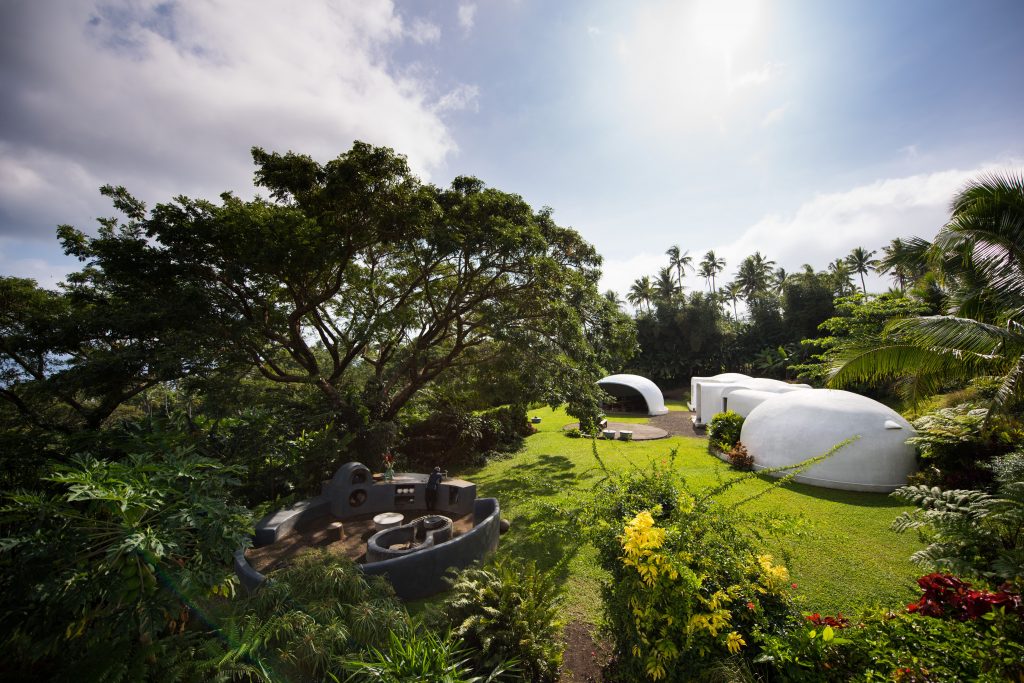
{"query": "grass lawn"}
pixel 842 554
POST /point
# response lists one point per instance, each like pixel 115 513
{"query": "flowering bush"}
pixel 689 588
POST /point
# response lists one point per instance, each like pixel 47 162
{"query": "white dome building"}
pixel 635 393
pixel 712 395
pixel 792 427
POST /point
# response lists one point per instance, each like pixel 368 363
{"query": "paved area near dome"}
pixel 641 432
pixel 674 423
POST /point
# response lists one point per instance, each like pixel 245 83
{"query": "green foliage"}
pixel 418 656
pixel 112 556
pixel 453 436
pixel 858 318
pixel 886 646
pixel 305 623
pixel 955 443
pixel 682 339
pixel 509 611
pixel 688 586
pixel 969 532
pixel 724 430
pixel 977 256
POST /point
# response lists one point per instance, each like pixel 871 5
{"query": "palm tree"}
pixel 842 277
pixel 906 259
pixel 860 262
pixel 733 291
pixel 987 222
pixel 754 275
pixel 612 297
pixel 714 265
pixel 641 292
pixel 665 286
pixel 779 279
pixel 704 270
pixel 680 260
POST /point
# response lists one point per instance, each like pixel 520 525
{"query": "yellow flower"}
pixel 734 642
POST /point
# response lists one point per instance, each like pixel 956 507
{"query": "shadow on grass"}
pixel 540 530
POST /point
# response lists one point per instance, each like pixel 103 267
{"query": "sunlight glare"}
pixel 725 24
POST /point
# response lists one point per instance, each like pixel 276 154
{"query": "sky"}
pixel 798 128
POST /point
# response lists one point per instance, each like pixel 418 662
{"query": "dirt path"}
pixel 584 657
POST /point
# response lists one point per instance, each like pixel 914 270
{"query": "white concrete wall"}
pixel 706 393
pixel 795 426
pixel 742 401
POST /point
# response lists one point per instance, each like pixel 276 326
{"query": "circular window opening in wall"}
pixel 357 498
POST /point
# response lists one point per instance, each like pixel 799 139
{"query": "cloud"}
pixel 467 16
pixel 168 98
pixel 594 30
pixel 763 74
pixel 423 31
pixel 775 115
pixel 462 97
pixel 828 226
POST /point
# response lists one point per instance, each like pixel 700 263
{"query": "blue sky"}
pixel 800 129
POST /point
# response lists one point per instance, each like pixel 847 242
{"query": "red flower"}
pixel 793 586
pixel 750 605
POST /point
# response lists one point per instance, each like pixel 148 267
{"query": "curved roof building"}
pixel 634 390
pixel 792 427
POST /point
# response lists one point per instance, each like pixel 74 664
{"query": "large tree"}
pixel 357 264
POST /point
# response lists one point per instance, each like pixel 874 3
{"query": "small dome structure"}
pixel 635 393
pixel 798 425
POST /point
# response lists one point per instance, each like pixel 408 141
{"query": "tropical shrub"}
pixel 421 656
pixel 971 533
pixel 898 646
pixel 573 433
pixel 955 443
pixel 306 622
pixel 740 459
pixel 508 612
pixel 689 587
pixel 724 430
pixel 946 595
pixel 111 557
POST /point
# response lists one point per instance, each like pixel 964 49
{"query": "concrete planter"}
pixel 625 435
pixel 609 434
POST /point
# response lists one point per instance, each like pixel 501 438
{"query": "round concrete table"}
pixel 387 520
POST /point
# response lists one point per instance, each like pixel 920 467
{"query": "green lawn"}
pixel 842 555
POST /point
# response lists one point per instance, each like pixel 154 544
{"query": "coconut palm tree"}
pixel 612 297
pixel 860 263
pixel 755 275
pixel 680 260
pixel 705 271
pixel 641 292
pixel 714 265
pixel 733 291
pixel 842 278
pixel 986 226
pixel 905 259
pixel 665 288
pixel 779 278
